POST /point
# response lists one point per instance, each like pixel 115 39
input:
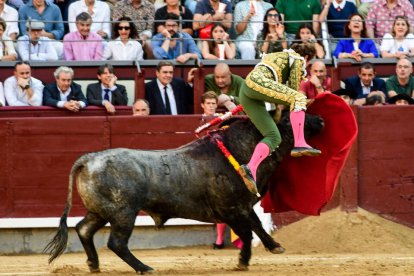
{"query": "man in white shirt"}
pixel 11 16
pixel 98 10
pixel 22 89
pixel 33 46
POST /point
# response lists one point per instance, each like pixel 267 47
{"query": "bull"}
pixel 195 181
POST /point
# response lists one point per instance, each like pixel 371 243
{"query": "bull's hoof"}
pixel 93 267
pixel 147 270
pixel 241 267
pixel 277 250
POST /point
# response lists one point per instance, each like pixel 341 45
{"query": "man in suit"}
pixel 168 95
pixel 364 83
pixel 106 92
pixel 64 93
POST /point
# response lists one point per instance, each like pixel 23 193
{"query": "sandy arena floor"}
pixel 335 243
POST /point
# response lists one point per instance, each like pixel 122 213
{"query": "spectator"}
pixel 9 15
pixel 401 99
pixel 248 16
pixel 336 12
pixel 306 35
pixel 218 38
pixel 357 47
pixel 106 92
pixel 364 84
pixel 22 89
pixel 17 4
pixel 299 11
pixel 140 108
pixel 142 13
pixel 375 98
pixel 43 11
pixel 64 93
pixel 400 43
pixel 166 94
pixel 209 105
pixel 272 38
pixel 225 84
pixel 210 11
pixel 83 44
pixel 403 81
pixel 125 46
pixel 34 46
pixel 318 82
pixel 172 44
pixel 7 52
pixel 381 14
pixel 100 16
pixel 173 6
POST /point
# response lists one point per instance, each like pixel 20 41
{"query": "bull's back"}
pixel 175 182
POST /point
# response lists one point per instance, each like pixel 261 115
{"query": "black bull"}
pixel 195 181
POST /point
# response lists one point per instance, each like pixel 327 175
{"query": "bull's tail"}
pixel 57 246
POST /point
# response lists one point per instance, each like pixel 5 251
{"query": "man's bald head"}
pixel 318 65
pixel 222 76
pixel 318 69
pixel 222 68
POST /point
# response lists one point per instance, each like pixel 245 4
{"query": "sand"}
pixel 336 243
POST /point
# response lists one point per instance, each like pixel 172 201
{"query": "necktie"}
pixel 106 96
pixel 167 101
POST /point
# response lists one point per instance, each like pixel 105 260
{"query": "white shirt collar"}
pixel 336 5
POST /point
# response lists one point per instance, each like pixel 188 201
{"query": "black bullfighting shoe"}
pixel 304 151
pixel 248 179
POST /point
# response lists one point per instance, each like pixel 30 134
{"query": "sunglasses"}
pixel 127 28
pixel 275 15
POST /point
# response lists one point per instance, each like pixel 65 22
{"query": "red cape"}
pixel 306 184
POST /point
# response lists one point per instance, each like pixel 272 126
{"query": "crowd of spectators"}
pixel 91 30
pixel 247 28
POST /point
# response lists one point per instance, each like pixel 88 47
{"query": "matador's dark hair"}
pixel 304 50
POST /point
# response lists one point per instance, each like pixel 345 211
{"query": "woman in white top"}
pixel 400 43
pixel 125 46
pixel 7 51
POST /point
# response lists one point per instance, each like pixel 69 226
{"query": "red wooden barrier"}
pixel 38 152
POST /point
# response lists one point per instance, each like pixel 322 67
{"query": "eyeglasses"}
pixel 275 15
pixel 171 25
pixel 127 28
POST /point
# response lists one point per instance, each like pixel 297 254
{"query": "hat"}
pixel 397 97
pixel 35 25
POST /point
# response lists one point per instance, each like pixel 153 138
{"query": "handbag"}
pixel 205 33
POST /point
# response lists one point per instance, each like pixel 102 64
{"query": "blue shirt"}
pixel 51 16
pixel 336 29
pixel 188 43
pixel 347 46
